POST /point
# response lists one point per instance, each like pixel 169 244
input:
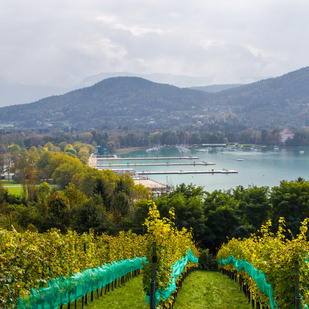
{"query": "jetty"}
pixel 223 171
pixel 156 164
pixel 145 158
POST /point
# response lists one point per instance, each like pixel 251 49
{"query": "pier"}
pixel 156 164
pixel 144 158
pixel 224 171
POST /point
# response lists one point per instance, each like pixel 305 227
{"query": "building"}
pixel 285 135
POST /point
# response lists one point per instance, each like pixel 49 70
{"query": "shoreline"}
pixel 129 149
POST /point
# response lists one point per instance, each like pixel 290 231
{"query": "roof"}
pixel 286 131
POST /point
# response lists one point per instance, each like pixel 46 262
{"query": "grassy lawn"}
pixel 205 289
pixel 17 190
pixel 13 187
pixel 9 183
pixel 202 289
pixel 128 296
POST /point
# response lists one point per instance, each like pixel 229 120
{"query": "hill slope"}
pixel 276 102
pixel 138 103
pixel 121 101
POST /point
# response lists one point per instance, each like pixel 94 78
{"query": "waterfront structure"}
pixel 285 135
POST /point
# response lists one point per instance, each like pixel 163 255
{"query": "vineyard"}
pixel 32 263
pixel 51 269
pixel 272 267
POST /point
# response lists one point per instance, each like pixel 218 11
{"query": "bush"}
pixel 207 261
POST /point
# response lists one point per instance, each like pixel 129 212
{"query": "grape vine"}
pixel 278 257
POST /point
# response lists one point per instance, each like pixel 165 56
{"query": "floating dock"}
pixel 224 171
pixel 155 164
pixel 145 158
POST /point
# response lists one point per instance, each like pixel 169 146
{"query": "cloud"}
pixel 58 43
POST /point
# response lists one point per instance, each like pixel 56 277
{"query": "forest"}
pixel 58 139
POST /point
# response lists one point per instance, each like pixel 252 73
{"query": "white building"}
pixel 285 135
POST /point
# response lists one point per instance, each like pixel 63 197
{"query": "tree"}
pixel 253 205
pixel 57 213
pixel 101 189
pixel 14 148
pixel 91 215
pixel 291 201
pixel 75 196
pixel 29 183
pixel 49 146
pixel 64 173
pixel 43 192
pixel 62 146
pixel 221 219
pixel 120 206
pixel 111 147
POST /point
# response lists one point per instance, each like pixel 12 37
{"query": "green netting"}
pixel 178 268
pixel 256 275
pixel 61 291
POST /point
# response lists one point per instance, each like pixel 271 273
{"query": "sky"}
pixel 60 42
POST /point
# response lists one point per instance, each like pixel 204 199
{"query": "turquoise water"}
pixel 256 167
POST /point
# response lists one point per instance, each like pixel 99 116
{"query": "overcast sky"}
pixel 61 42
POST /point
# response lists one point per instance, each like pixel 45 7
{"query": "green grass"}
pixel 128 296
pixel 9 183
pixel 12 186
pixel 16 190
pixel 202 289
pixel 205 289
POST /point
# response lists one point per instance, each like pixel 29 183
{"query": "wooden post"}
pixel 297 297
pixel 153 276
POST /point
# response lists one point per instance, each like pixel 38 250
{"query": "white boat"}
pixel 183 149
pixel 154 149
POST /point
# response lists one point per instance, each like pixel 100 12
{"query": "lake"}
pixel 256 166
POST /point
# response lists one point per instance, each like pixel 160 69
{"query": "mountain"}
pixel 183 81
pixel 275 102
pixel 134 102
pixel 114 102
pixel 216 88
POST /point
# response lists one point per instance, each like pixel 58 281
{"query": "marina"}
pixel 144 167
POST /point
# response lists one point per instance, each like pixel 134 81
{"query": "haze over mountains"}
pixel 15 93
pixel 132 102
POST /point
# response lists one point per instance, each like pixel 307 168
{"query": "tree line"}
pixel 124 138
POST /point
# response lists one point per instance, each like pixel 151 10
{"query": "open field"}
pixel 17 190
pixel 10 183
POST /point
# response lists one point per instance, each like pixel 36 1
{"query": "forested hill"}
pixel 133 102
pixel 275 102
pixel 121 101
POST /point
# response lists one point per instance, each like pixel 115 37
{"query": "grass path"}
pixel 205 289
pixel 202 289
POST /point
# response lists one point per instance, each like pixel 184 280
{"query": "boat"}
pixel 183 149
pixel 154 149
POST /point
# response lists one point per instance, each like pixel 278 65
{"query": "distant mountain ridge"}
pixel 216 88
pixel 16 93
pixel 134 102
